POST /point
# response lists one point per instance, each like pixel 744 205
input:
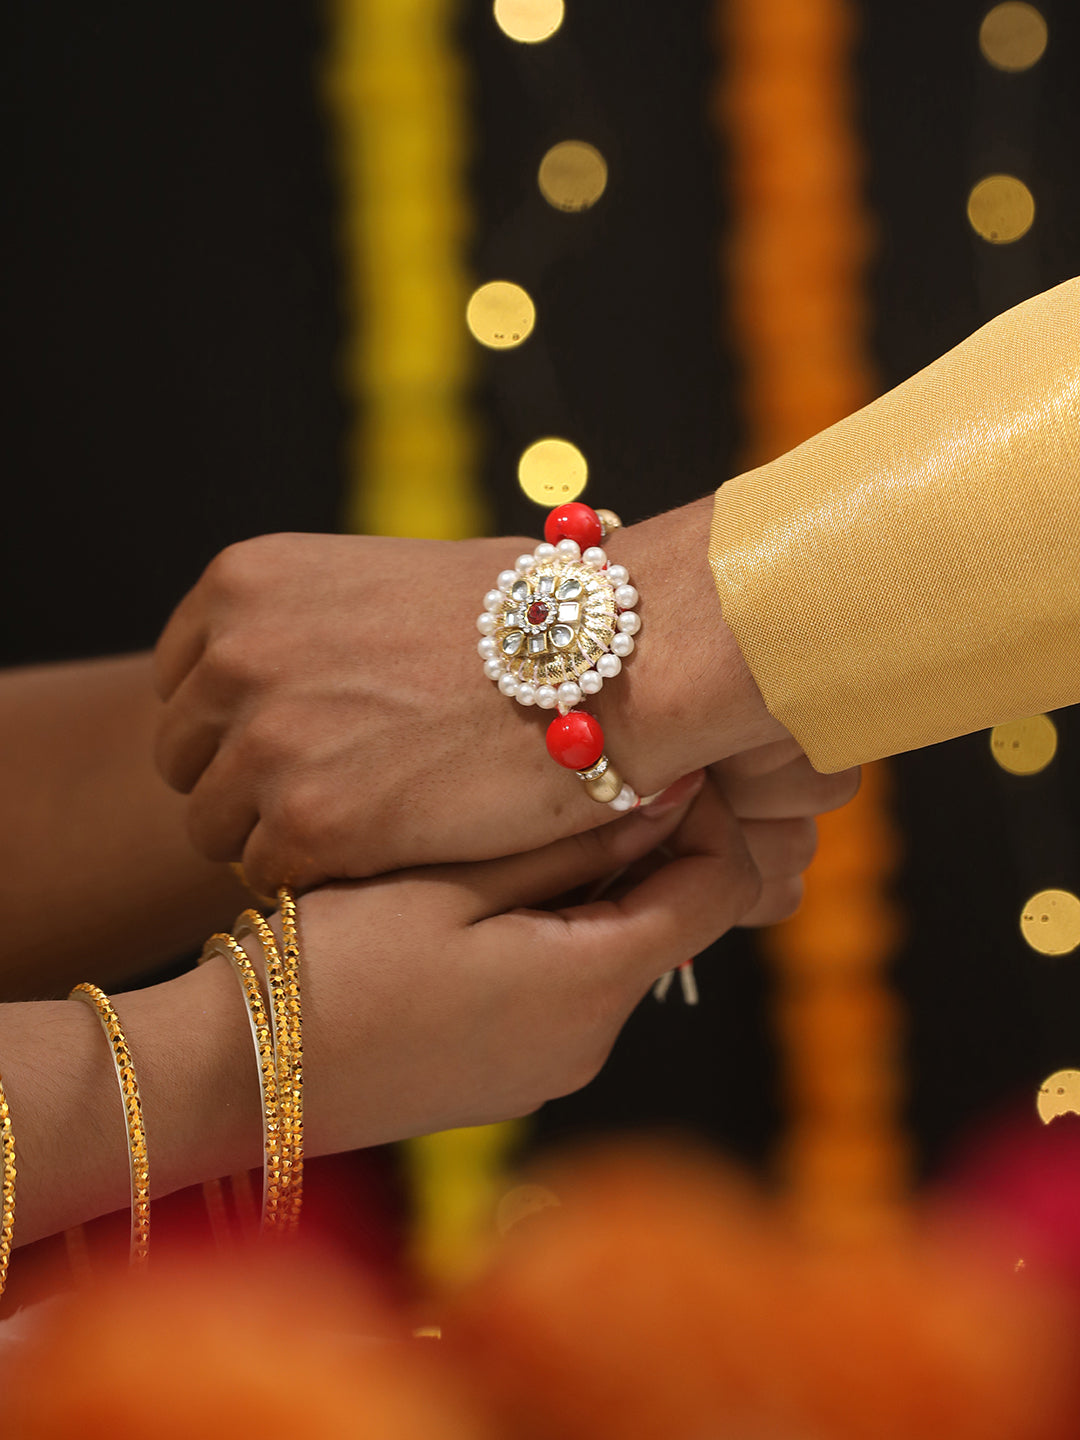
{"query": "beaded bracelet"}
pixel 138 1159
pixel 7 1187
pixel 554 629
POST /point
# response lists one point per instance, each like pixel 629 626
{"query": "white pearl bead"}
pixel 609 666
pixel 625 799
pixel 568 549
pixel 486 623
pixel 494 600
pixel 591 683
pixel 595 557
pixel 543 552
pixel 526 694
pixel 569 694
pixel 486 648
pixel 629 622
pixel 618 574
pixel 507 685
pixel 524 563
pixel 493 668
pixel 626 597
pixel 546 697
pixel 622 645
pixel 506 579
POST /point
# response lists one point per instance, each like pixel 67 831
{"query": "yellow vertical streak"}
pixel 395 87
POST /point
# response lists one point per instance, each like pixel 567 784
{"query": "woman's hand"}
pixel 442 998
pixel 327 712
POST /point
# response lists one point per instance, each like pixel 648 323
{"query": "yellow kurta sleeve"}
pixel 913 573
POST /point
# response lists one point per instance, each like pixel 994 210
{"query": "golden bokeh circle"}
pixel 1013 36
pixel 1059 1094
pixel 572 175
pixel 552 471
pixel 1050 922
pixel 1024 747
pixel 529 21
pixel 1001 208
pixel 522 1203
pixel 500 314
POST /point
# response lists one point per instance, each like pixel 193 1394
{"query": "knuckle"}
pixel 299 818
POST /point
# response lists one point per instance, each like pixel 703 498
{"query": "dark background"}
pixel 170 314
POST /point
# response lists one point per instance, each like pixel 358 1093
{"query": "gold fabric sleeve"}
pixel 913 573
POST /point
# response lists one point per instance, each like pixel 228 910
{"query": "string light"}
pixel 529 21
pixel 572 175
pixel 1001 209
pixel 1050 922
pixel 1024 747
pixel 552 471
pixel 1013 36
pixel 500 314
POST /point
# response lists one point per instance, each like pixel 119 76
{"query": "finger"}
pixel 677 911
pixel 180 645
pixel 221 812
pixel 188 736
pixel 267 866
pixel 761 760
pixel 796 789
pixel 781 849
pixel 522 881
pixel 778 901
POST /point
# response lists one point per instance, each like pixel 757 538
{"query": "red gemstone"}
pixel 537 613
pixel 575 740
pixel 574 521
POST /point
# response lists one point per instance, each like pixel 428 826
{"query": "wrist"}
pixel 686 698
pixel 191 1048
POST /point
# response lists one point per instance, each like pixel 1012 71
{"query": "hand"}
pixel 444 998
pixel 327 712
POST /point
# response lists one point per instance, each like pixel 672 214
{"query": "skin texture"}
pixel 326 711
pixel 431 999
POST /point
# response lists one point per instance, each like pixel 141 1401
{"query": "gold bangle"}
pixel 138 1158
pixel 284 988
pixel 290 935
pixel 7 1192
pixel 262 1035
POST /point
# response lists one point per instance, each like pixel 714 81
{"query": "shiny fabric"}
pixel 913 572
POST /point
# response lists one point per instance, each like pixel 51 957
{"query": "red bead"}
pixel 575 740
pixel 574 521
pixel 537 613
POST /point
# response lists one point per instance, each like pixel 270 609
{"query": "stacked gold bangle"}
pixel 138 1158
pixel 7 1192
pixel 278 1035
pixel 279 1048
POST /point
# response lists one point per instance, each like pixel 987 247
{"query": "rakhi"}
pixel 554 629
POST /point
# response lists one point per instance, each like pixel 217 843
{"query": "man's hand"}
pixel 327 712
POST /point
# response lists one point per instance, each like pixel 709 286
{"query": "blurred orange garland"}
pixel 795 261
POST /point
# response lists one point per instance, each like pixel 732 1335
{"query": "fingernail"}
pixel 683 791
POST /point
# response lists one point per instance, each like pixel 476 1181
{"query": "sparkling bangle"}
pixel 138 1159
pixel 554 629
pixel 7 1188
pixel 262 1034
pixel 283 981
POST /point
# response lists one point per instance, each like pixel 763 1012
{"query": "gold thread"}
pixel 138 1156
pixel 7 1190
pixel 262 1035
